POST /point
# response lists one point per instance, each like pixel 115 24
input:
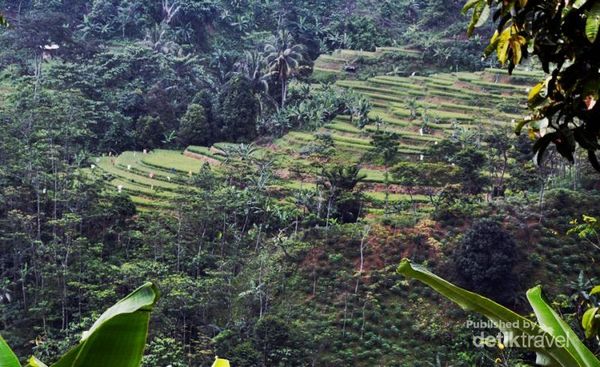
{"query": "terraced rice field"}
pixel 422 110
pixel 336 63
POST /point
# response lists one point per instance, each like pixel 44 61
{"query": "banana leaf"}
pixel 219 362
pixel 7 357
pixel 558 328
pixel 514 327
pixel 118 337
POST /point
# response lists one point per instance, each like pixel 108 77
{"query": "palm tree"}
pixel 252 67
pixel 283 59
pixel 340 177
pixel 157 39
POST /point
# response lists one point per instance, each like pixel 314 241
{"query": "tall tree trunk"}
pixel 387 191
pixel 412 201
pixel 367 229
pixel 283 92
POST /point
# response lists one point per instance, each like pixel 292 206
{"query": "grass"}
pixel 448 115
pixel 204 151
pixel 105 165
pixel 525 73
pixel 172 161
pixel 380 196
pixel 343 127
pixel 499 86
pixel 147 203
pixel 388 118
pixel 135 188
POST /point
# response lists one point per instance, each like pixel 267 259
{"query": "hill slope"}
pixel 422 109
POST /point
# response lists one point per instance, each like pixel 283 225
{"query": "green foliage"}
pixel 550 327
pixel 194 128
pixel 485 259
pixel 7 357
pixel 344 198
pixel 385 145
pixel 150 130
pixel 238 112
pixel 571 92
pixel 117 338
pixel 587 230
pixel 471 162
pixel 255 245
pixel 164 351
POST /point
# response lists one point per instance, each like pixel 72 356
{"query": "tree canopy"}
pixel 563 36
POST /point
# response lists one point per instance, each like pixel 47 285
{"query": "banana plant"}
pixel 116 339
pixel 591 317
pixel 554 342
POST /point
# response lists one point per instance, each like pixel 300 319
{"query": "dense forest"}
pixel 267 165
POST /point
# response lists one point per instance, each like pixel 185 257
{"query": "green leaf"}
pixel 34 362
pixel 118 337
pixel 592 24
pixel 219 362
pixel 484 16
pixel 521 124
pixel 478 13
pixel 7 357
pixel 579 3
pixel 590 322
pixel 514 326
pixel 595 290
pixel 538 94
pixel 503 45
pixel 558 328
pixel 540 146
pixel 470 4
pixel 589 219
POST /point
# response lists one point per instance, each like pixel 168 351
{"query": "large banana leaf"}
pixel 558 328
pixel 514 327
pixel 7 357
pixel 118 337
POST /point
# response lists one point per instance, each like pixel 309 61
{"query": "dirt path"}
pixel 201 157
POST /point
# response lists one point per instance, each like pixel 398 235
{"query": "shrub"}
pixel 485 259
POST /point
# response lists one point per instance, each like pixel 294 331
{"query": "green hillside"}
pixel 422 110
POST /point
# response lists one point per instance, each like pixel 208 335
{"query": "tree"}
pixel 277 342
pixel 431 177
pixel 252 67
pixel 499 146
pixel 149 132
pixel 485 259
pixel 588 229
pixel 359 112
pixel 283 59
pixel 195 127
pixel 238 111
pixel 343 202
pixel 564 36
pixel 385 144
pixel 471 162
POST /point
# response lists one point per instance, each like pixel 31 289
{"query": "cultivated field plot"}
pixel 422 110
